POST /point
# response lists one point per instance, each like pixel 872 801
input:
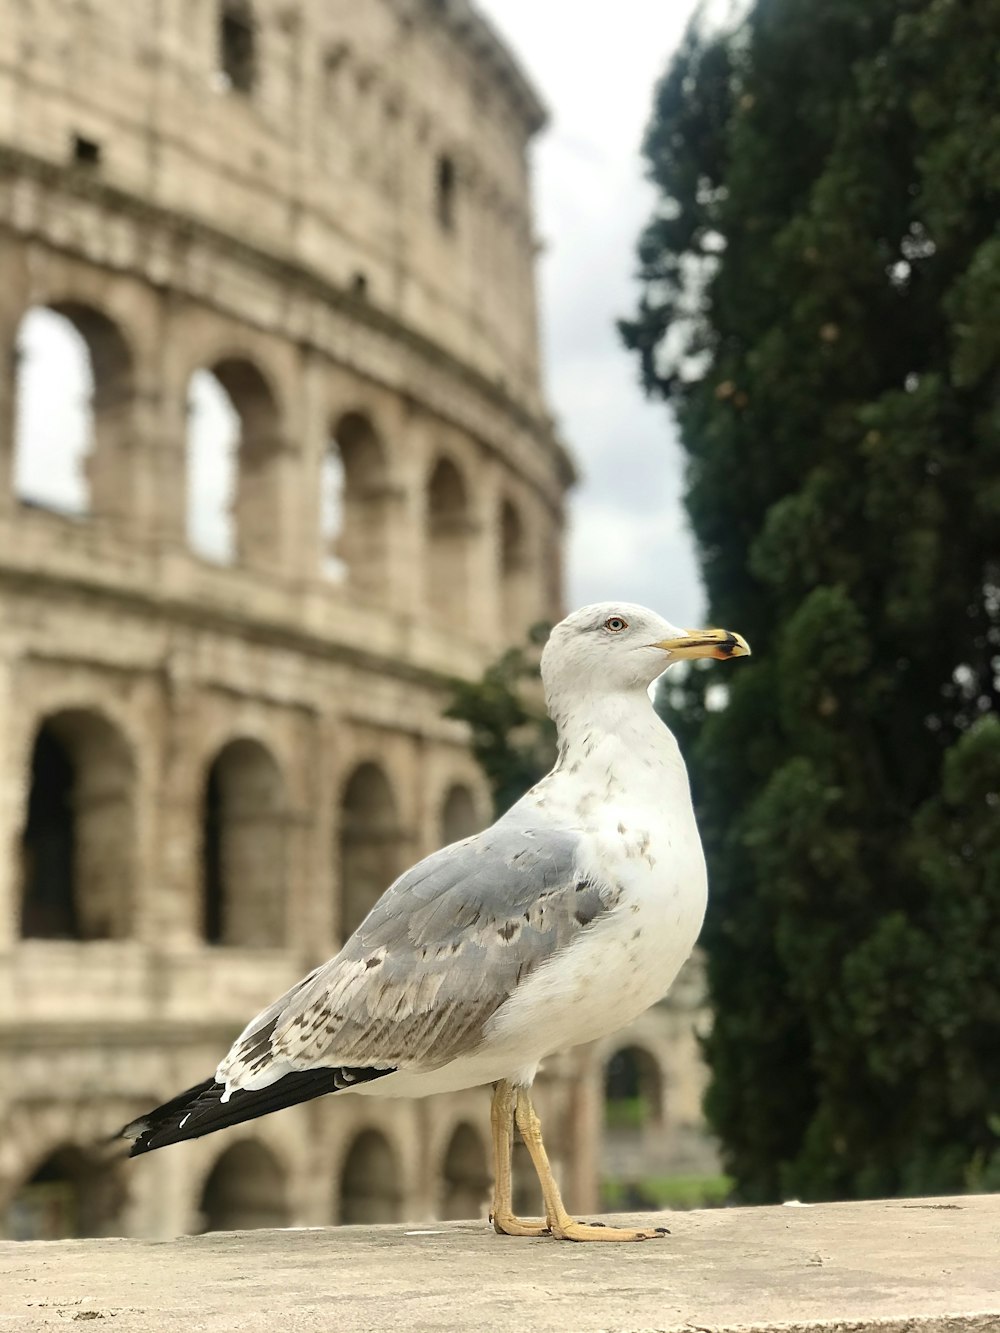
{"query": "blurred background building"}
pixel 275 462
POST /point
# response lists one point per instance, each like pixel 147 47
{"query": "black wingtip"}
pixel 200 1110
pixel 165 1120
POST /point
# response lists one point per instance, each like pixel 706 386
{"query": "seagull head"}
pixel 614 646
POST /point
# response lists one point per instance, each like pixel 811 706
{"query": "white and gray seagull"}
pixel 557 925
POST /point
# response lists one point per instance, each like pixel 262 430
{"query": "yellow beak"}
pixel 706 643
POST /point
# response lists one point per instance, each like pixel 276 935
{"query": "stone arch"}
pixel 515 580
pixel 245 1189
pixel 370 1181
pixel 78 840
pixel 449 541
pixel 245 826
pixel 71 1193
pixel 74 389
pixel 370 843
pixel 233 461
pixel 356 502
pixel 465 1174
pixel 459 816
pixel 633 1090
pixel 237 46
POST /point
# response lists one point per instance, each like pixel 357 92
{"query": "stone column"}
pixel 174 918
pixel 14 781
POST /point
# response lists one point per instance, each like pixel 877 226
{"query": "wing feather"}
pixel 437 956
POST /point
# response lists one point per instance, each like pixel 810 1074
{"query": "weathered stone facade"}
pixel 209 770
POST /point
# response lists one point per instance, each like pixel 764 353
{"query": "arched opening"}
pixel 514 582
pixel 237 46
pixel 70 1195
pixel 213 438
pixel 77 848
pixel 370 1188
pixel 332 483
pixel 467 1177
pixel 370 844
pixel 233 458
pixel 449 531
pixel 633 1091
pixel 72 397
pixel 459 818
pixel 54 425
pixel 355 502
pixel 444 192
pixel 245 822
pixel 632 1142
pixel 245 1190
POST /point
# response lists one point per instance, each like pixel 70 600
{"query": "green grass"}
pixel 667 1192
pixel 626 1113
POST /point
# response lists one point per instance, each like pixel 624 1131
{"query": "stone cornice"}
pixel 356 333
pixel 473 27
pixel 250 628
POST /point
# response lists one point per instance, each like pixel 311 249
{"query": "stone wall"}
pixel 896 1266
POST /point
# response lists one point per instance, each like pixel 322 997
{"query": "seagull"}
pixel 557 925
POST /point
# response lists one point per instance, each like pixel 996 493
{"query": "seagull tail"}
pixel 201 1110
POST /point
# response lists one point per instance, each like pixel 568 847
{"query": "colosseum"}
pixel 226 646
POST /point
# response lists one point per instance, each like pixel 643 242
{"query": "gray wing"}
pixel 435 958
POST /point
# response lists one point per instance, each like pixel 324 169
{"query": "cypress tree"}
pixel 820 288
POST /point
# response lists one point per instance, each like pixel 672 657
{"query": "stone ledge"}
pixel 900 1266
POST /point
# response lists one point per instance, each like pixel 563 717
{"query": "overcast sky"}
pixel 595 66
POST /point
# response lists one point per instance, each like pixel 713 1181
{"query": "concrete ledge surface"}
pixel 900 1266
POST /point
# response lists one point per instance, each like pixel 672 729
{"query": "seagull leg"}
pixel 562 1226
pixel 502 1127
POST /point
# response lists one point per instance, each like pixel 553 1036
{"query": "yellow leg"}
pixel 562 1226
pixel 502 1127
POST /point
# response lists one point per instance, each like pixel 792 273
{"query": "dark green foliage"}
pixel 513 738
pixel 821 306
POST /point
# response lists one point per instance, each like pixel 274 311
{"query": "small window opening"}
pixel 446 193
pixel 238 56
pixel 86 152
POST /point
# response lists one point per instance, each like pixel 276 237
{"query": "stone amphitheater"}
pixel 218 745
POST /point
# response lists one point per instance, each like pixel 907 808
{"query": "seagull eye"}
pixel 615 624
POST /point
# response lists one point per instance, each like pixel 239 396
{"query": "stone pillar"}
pixel 8 414
pixel 14 780
pixel 14 301
pixel 174 919
pixel 267 503
pixel 160 466
pixel 408 549
pixel 314 441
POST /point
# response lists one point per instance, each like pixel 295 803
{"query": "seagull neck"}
pixel 594 729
